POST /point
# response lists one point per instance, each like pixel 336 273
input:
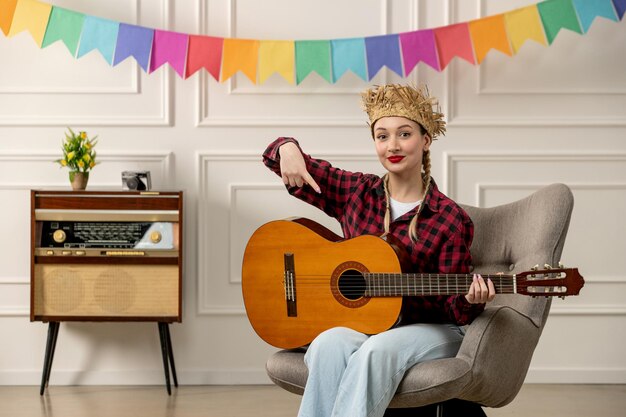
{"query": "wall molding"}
pixel 452 159
pixel 203 160
pixel 162 118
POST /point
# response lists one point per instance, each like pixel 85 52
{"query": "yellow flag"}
pixel 240 55
pixel 277 56
pixel 31 15
pixel 523 24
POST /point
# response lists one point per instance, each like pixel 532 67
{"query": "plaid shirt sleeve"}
pixel 455 257
pixel 336 185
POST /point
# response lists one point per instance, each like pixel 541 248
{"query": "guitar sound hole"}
pixel 351 284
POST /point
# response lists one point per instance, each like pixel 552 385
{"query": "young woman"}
pixel 350 373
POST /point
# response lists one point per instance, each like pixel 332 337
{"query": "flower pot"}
pixel 79 180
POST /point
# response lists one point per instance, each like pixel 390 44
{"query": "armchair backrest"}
pixel 515 237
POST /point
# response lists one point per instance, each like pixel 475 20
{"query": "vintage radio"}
pixel 106 256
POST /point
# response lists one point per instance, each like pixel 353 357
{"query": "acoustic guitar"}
pixel 299 279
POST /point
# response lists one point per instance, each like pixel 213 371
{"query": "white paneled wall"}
pixel 549 114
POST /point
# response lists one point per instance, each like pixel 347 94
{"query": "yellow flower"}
pixel 63 162
pixel 86 157
pixel 92 164
pixel 87 145
pixel 81 164
pixel 70 156
pixel 83 135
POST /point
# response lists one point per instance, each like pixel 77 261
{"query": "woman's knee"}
pixel 338 341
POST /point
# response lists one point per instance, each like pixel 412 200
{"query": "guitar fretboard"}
pixel 396 284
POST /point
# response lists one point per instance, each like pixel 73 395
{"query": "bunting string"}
pixel 295 60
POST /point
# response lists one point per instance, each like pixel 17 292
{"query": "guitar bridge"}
pixel 289 283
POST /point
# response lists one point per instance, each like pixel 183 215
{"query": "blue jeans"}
pixel 352 374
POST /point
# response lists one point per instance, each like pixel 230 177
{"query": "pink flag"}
pixel 169 47
pixel 454 40
pixel 418 46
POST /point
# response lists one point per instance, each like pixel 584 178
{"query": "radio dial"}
pixel 59 236
pixel 155 237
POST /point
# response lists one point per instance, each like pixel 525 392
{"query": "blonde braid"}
pixel 387 219
pixel 426 182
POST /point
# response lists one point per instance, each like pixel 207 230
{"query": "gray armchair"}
pixel 494 357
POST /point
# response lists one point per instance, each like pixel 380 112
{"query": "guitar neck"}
pixel 403 284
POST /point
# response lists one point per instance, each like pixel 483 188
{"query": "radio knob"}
pixel 155 237
pixel 59 236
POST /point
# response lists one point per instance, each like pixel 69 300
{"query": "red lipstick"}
pixel 395 159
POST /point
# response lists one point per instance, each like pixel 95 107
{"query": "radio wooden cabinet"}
pixel 106 256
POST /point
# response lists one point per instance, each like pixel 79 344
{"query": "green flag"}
pixel 312 56
pixel 557 15
pixel 65 25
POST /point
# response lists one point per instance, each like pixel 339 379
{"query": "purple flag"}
pixel 169 47
pixel 620 6
pixel 419 46
pixel 135 41
pixel 381 51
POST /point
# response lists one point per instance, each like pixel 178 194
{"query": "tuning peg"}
pixel 547 266
pixel 534 268
pixel 560 265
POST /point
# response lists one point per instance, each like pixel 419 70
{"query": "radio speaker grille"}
pixel 106 290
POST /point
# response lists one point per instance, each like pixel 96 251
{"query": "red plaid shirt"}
pixel 357 201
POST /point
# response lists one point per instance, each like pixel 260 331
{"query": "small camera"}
pixel 136 180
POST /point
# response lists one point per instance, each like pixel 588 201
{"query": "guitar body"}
pixel 325 291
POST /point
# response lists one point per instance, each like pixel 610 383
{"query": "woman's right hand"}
pixel 293 168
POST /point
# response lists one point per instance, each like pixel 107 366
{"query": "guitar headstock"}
pixel 550 282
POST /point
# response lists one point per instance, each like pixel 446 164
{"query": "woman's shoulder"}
pixel 455 216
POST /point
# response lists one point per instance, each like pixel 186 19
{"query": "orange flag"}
pixel 488 33
pixel 240 55
pixel 523 24
pixel 7 8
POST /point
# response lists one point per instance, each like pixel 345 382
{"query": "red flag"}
pixel 204 52
pixel 454 40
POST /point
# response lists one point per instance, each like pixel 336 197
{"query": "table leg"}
pixel 53 332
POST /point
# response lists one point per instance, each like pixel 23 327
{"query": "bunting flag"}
pixel 489 33
pixel 32 16
pixel 588 10
pixel 313 56
pixel 348 55
pixel 522 25
pixel 100 34
pixel 454 40
pixel 240 55
pixel 64 25
pixel 7 9
pixel 135 41
pixel 170 47
pixel 204 52
pixel 277 56
pixel 557 15
pixel 620 7
pixel 383 51
pixel 295 60
pixel 419 46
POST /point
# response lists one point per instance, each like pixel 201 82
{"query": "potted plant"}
pixel 79 156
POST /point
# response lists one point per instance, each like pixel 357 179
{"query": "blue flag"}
pixel 588 10
pixel 383 51
pixel 100 34
pixel 348 54
pixel 135 41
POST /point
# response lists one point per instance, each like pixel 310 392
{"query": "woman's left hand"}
pixel 480 291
